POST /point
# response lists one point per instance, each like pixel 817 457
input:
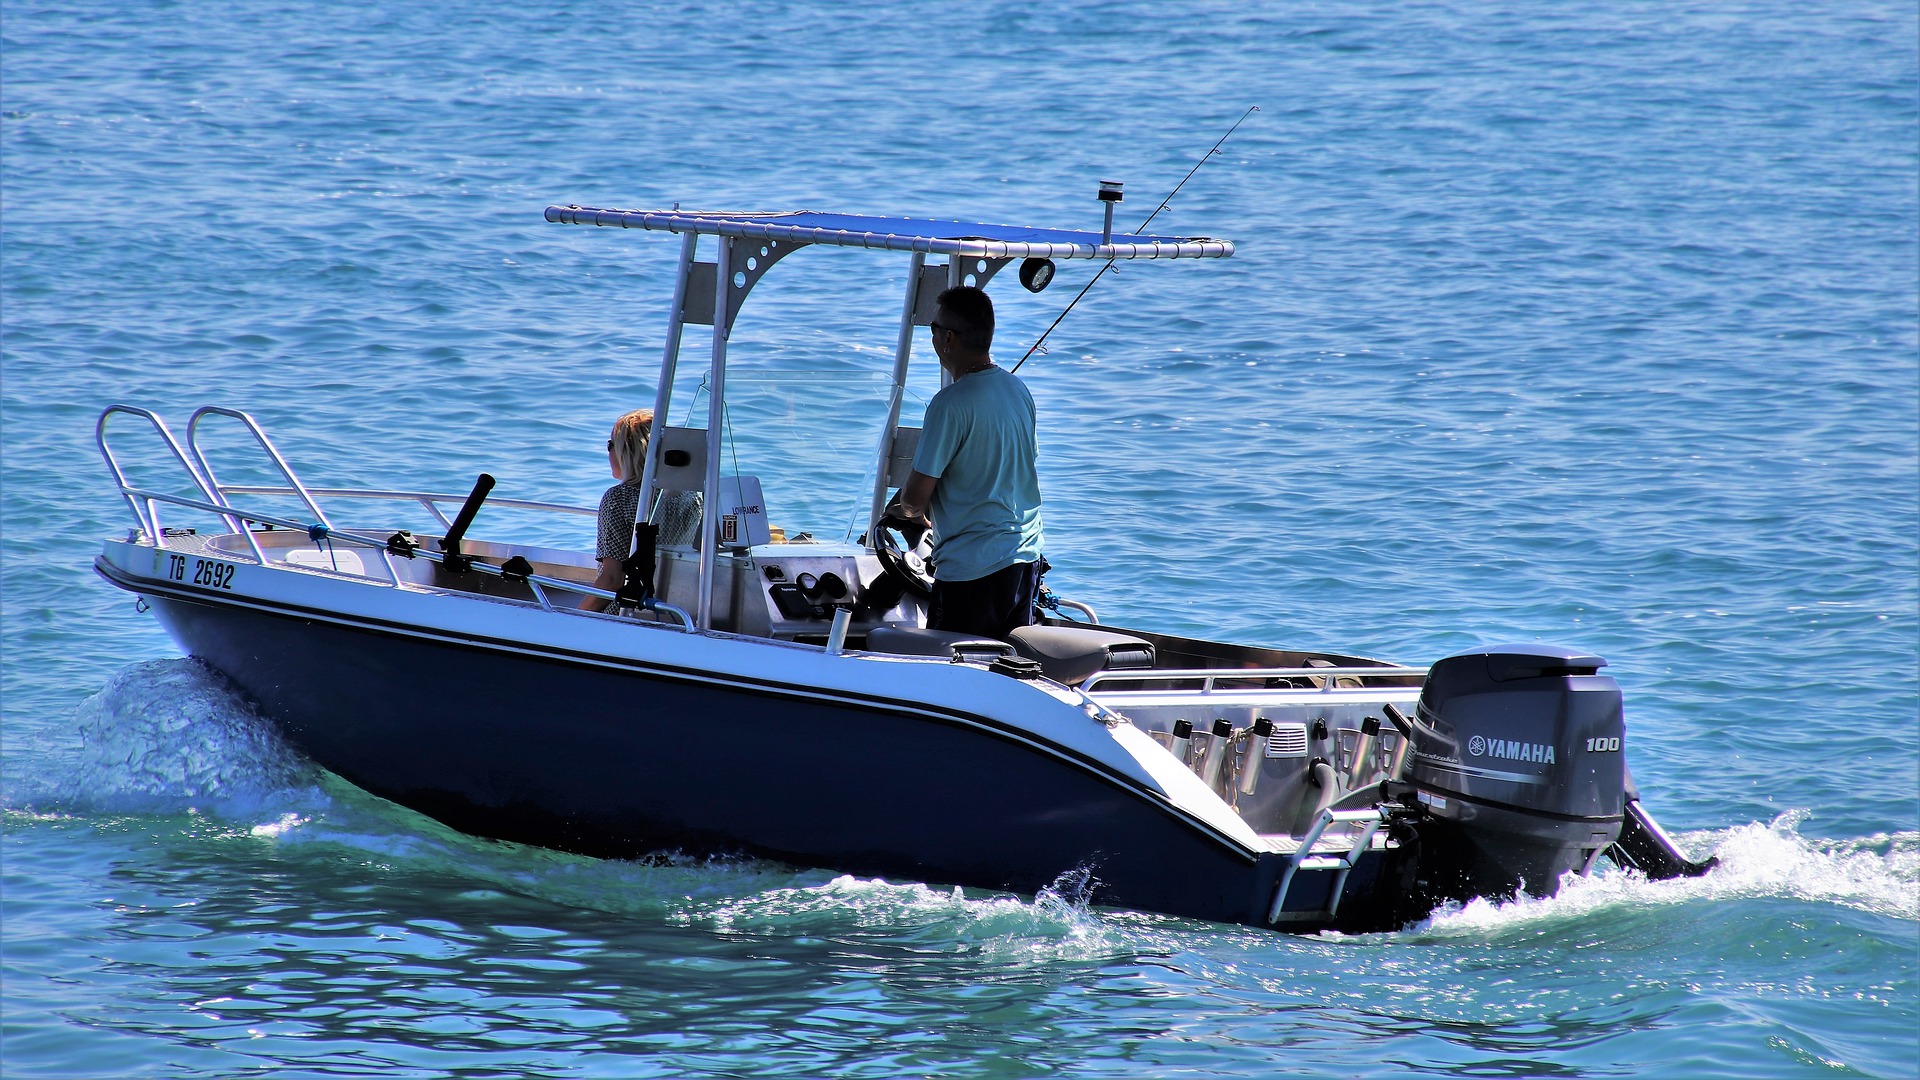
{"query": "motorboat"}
pixel 749 693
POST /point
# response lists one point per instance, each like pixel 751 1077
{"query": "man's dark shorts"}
pixel 990 606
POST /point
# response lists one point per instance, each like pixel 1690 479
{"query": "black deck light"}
pixel 1036 274
pixel 1109 194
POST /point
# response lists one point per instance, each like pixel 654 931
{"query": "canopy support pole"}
pixel 716 421
pixel 902 351
pixel 669 364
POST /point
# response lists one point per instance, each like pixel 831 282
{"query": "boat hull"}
pixel 614 758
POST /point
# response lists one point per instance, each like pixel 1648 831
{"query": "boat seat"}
pixel 1068 654
pixel 919 641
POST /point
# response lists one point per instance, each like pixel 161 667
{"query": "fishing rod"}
pixel 1204 158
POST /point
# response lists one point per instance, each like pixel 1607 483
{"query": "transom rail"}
pixel 1323 677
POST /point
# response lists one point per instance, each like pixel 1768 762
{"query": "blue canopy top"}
pixel 902 234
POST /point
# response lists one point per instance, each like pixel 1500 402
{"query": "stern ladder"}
pixel 1341 863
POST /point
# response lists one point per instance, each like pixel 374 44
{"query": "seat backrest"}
pixel 743 513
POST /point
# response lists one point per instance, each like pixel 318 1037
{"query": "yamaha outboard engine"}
pixel 1517 759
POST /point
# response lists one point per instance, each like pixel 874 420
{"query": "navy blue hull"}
pixel 507 743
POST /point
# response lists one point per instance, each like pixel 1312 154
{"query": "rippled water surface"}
pixel 1587 323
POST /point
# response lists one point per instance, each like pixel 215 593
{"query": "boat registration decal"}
pixel 208 572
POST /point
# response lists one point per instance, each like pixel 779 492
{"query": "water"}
pixel 1593 323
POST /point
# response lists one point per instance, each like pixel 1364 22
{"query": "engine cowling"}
pixel 1518 757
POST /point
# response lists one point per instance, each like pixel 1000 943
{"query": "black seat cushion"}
pixel 1069 654
pixel 919 641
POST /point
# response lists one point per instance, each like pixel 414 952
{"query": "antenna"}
pixel 1110 194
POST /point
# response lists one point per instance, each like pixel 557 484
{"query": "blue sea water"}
pixel 1595 323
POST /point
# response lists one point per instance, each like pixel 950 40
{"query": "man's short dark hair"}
pixel 972 312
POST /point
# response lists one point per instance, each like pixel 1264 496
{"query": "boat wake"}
pixel 1059 923
pixel 1877 874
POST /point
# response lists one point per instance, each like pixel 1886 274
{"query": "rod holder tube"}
pixel 455 559
pixel 1397 766
pixel 1363 751
pixel 1254 754
pixel 468 509
pixel 837 634
pixel 1215 753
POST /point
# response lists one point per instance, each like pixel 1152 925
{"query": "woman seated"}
pixel 677 513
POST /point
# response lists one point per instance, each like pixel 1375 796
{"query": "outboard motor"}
pixel 1517 759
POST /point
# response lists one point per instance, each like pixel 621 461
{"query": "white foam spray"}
pixel 1878 874
pixel 171 736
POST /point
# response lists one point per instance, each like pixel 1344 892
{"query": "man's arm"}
pixel 914 497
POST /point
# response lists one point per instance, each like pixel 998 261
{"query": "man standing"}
pixel 975 472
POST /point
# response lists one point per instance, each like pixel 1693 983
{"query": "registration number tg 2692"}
pixel 209 572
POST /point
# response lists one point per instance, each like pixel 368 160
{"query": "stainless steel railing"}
pixel 431 500
pixel 1322 678
pixel 216 500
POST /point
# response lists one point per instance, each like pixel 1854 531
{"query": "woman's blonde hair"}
pixel 629 442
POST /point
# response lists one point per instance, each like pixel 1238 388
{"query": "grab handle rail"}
pixel 1207 677
pixel 1076 605
pixel 266 445
pixel 541 581
pixel 144 505
pixel 147 516
pixel 430 500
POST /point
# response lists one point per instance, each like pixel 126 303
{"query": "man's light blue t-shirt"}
pixel 978 441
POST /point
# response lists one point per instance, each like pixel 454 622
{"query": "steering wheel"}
pixel 905 555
